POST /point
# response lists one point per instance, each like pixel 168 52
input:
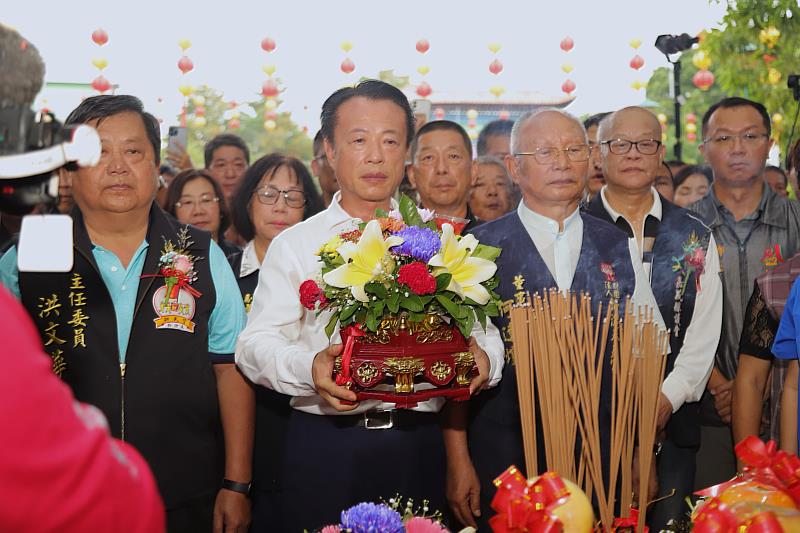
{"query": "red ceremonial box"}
pixel 406 354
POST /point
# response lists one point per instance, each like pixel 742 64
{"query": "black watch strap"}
pixel 235 486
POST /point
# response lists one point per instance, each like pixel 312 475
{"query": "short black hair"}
pixel 317 146
pixel 793 157
pixel 441 125
pixel 738 101
pixel 780 170
pixel 268 165
pixel 595 119
pixel 224 139
pixel 175 190
pixel 102 106
pixel 372 90
pixel 687 171
pixel 495 127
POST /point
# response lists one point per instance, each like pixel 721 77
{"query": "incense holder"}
pixel 406 362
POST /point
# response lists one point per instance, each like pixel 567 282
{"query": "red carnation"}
pixel 417 278
pixel 310 294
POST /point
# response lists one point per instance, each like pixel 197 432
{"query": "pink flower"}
pixel 330 529
pixel 423 525
pixel 182 264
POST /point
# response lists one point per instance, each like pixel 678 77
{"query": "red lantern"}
pixel 347 66
pixel 496 67
pixel 267 44
pixel 768 58
pixel 703 79
pixel 691 118
pixel 637 62
pixel 269 89
pixel 100 37
pixel 438 113
pixel 100 84
pixel 504 115
pixel 423 46
pixel 568 86
pixel 691 137
pixel 200 111
pixel 567 43
pixel 234 124
pixel 185 64
pixel 424 90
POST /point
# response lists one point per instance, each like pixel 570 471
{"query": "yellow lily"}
pixel 365 260
pixel 455 258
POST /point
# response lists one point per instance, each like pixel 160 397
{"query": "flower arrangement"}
pixel 403 263
pixel 388 517
pixel 176 266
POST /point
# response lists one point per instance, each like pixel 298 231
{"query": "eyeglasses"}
pixel 189 202
pixel 269 196
pixel 749 140
pixel 623 146
pixel 547 155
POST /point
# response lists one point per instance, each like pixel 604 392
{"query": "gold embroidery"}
pixel 49 305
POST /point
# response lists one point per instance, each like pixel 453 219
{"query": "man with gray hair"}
pixel 547 243
pixel 679 255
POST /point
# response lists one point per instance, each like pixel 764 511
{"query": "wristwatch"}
pixel 235 486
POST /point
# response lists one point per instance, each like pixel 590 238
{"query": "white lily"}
pixel 364 261
pixel 455 258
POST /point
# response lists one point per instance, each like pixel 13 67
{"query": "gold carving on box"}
pixel 367 372
pixel 337 364
pixel 404 369
pixel 464 363
pixel 440 370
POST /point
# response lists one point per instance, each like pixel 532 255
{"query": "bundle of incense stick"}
pixel 560 349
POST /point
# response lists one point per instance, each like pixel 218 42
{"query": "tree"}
pixel 208 114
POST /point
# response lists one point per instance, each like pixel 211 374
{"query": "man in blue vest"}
pixel 680 258
pixel 547 243
pixel 144 326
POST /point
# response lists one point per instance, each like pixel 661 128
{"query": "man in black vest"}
pixel 680 257
pixel 547 243
pixel 144 325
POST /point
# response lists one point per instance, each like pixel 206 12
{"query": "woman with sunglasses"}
pixel 276 192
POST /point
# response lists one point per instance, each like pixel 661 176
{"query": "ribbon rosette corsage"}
pixel 692 261
pixel 176 266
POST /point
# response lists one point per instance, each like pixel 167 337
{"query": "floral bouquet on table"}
pixel 406 291
pixel 388 517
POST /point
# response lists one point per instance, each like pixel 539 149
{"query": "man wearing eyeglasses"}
pixel 688 291
pixel 548 243
pixel 755 230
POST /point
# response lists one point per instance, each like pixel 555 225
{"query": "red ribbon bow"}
pixel 182 282
pixel 527 508
pixel 350 333
pixel 632 521
pixel 716 517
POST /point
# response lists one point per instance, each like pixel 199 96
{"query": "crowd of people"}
pixel 228 394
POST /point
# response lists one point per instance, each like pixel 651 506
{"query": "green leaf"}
pixel 372 322
pixel 408 210
pixel 381 213
pixel 416 317
pixel 462 327
pixel 378 309
pixel 491 309
pixel 348 311
pixel 377 289
pixel 331 325
pixel 393 303
pixel 481 316
pixel 443 281
pixel 412 302
pixel 453 309
pixel 469 322
pixel 484 251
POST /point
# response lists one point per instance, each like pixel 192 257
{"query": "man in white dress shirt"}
pixel 339 454
pixel 632 154
pixel 547 243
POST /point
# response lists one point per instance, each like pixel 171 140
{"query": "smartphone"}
pixel 176 134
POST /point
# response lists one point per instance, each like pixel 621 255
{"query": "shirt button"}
pixel 123 287
pixel 114 269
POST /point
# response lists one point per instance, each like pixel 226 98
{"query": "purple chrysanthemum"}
pixel 419 243
pixel 371 518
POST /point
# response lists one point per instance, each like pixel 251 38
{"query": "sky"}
pixel 143 51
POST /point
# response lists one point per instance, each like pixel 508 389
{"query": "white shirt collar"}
pixel 337 216
pixel 250 262
pixel 655 210
pixel 542 223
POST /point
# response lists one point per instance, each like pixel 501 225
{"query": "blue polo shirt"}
pixel 227 319
pixel 787 340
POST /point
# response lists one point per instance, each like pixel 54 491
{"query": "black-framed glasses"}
pixel 544 156
pixel 189 202
pixel 623 146
pixel 748 139
pixel 269 195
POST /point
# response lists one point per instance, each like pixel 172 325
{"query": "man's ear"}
pixel 330 153
pixel 411 177
pixel 474 171
pixel 512 165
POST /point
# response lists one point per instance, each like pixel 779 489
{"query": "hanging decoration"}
pixel 769 36
pixel 423 46
pixel 703 79
pixel 100 83
pixel 566 45
pixel 636 63
pixel 662 119
pixel 99 36
pixel 438 113
pixel 424 89
pixel 691 127
pixel 185 65
pixel 495 67
pixel 267 44
pixel 701 60
pixel 269 90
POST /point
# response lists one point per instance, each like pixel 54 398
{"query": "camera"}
pixel 672 44
pixel 793 82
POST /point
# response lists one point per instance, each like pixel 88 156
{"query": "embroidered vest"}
pixel 674 232
pixel 522 270
pixel 166 404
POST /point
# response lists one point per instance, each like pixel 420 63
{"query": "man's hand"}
pixel 663 413
pixel 322 373
pixel 723 394
pixel 463 491
pixel 479 382
pixel 231 512
pixel 179 157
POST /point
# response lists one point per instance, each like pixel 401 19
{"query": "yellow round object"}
pixel 472 114
pixel 774 76
pixel 269 125
pixel 199 122
pixel 575 514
